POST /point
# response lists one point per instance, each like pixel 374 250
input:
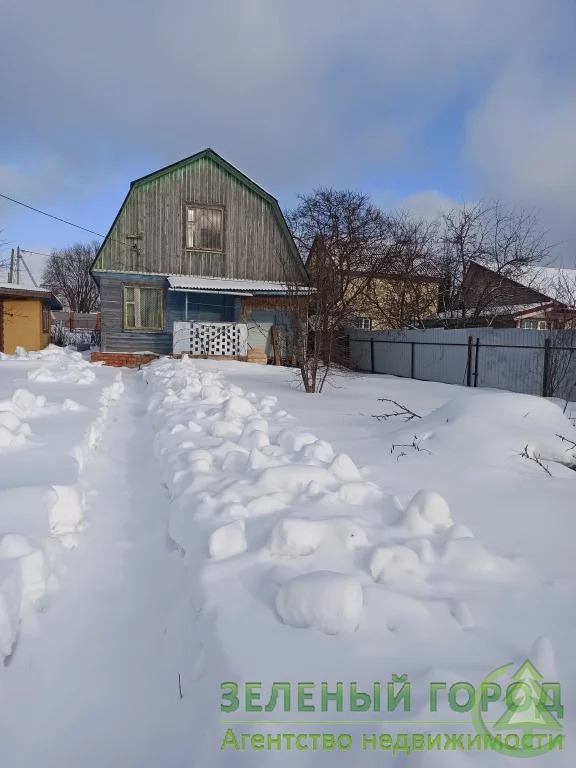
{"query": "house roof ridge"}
pixel 215 156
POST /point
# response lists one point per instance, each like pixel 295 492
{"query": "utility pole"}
pixel 18 265
pixel 11 272
pixel 34 283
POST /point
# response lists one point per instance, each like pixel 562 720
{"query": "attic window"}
pixel 204 228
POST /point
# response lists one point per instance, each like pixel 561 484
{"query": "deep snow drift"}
pixel 246 483
pixel 232 528
pixel 44 441
pixel 307 567
pixel 496 428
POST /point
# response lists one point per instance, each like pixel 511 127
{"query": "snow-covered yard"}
pixel 167 531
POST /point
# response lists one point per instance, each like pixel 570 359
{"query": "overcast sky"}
pixel 423 102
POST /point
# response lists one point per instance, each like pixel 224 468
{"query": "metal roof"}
pixel 231 286
pixel 14 289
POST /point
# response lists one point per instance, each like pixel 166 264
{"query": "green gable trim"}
pixel 208 154
pixel 93 267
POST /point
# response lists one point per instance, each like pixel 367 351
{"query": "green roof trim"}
pixel 209 154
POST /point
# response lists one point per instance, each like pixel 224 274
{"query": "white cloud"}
pixel 521 146
pixel 296 94
pixel 429 203
pixel 261 78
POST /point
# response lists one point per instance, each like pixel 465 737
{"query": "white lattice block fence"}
pixel 217 339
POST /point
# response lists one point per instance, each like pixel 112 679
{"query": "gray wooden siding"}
pixel 114 337
pixel 255 245
pixel 201 306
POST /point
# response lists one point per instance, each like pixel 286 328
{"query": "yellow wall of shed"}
pixel 23 325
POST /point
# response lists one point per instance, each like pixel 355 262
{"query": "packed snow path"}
pixel 97 685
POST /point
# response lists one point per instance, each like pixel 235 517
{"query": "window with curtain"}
pixel 142 308
pixel 204 228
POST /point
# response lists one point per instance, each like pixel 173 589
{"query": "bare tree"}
pixel 405 293
pixel 507 241
pixel 342 234
pixel 67 274
pixel 559 371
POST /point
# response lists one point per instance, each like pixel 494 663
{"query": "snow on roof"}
pixel 494 311
pixel 18 287
pixel 555 282
pixel 221 285
pixel 28 291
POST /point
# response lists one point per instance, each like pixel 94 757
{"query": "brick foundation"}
pixel 138 359
pixel 123 359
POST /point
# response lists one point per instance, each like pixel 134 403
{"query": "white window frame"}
pixel 137 307
pixel 198 208
pixel 363 323
pixel 535 324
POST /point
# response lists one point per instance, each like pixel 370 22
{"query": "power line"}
pixel 57 218
pixel 64 221
pixel 36 253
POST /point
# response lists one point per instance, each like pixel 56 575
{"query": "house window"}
pixel 204 228
pixel 533 324
pixel 45 318
pixel 364 323
pixel 142 308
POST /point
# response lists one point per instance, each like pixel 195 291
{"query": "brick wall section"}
pixel 137 360
pixel 122 359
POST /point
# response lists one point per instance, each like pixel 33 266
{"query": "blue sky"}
pixel 421 103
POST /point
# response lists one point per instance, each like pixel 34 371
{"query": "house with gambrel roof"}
pixel 199 259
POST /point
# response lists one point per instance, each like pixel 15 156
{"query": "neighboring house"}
pixel 25 317
pixel 394 301
pixel 379 296
pixel 78 321
pixel 537 299
pixel 199 259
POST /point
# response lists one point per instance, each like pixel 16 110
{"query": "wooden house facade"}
pixel 194 243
